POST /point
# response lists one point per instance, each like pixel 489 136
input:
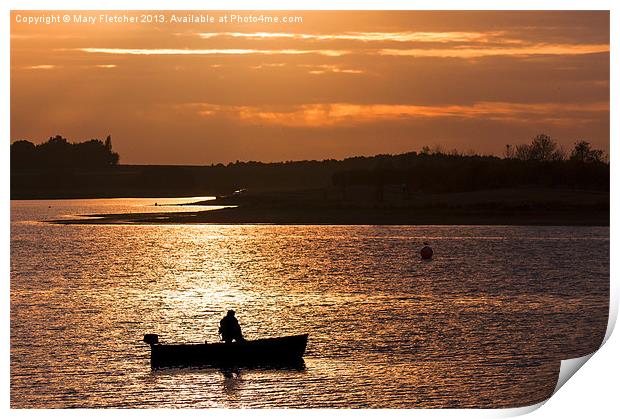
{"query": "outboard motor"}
pixel 151 339
pixel 426 252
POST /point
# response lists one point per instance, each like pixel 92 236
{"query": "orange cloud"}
pixel 54 67
pixel 405 36
pixel 232 51
pixel 452 52
pixel 329 68
pixel 41 67
pixel 332 114
pixel 535 49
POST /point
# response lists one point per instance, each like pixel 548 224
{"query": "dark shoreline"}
pixel 362 206
pixel 359 216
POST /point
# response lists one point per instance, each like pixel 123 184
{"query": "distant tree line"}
pixel 540 163
pixel 543 148
pixel 57 153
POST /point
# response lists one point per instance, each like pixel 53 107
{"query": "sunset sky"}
pixel 337 84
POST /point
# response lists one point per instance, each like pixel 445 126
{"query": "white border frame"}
pixel 592 392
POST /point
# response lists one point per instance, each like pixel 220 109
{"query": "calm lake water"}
pixel 484 324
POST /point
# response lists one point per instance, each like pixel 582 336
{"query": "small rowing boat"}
pixel 270 352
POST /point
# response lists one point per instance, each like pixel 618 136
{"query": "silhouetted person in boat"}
pixel 230 329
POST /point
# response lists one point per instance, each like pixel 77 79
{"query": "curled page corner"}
pixel 568 368
pixel 518 411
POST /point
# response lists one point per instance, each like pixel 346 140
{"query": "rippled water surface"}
pixel 484 324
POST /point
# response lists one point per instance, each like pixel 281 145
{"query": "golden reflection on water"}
pixel 386 330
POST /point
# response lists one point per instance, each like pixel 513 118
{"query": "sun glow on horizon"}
pixel 327 87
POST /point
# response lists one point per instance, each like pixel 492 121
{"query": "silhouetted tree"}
pixel 522 152
pixel 22 154
pixel 542 148
pixel 58 153
pixel 584 153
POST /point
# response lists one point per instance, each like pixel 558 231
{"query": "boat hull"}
pixel 281 351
